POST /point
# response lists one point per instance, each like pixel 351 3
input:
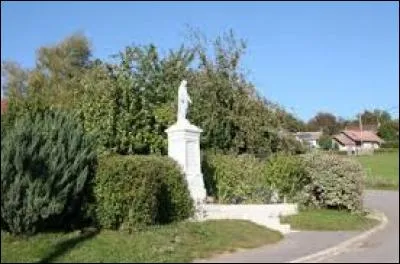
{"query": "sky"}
pixel 337 57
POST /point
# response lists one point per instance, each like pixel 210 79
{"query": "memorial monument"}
pixel 184 147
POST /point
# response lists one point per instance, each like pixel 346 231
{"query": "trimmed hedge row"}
pixel 321 180
pixel 287 175
pixel 135 191
pixel 235 179
pixel 394 144
pixel 386 150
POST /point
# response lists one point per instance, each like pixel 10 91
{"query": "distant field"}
pixel 382 170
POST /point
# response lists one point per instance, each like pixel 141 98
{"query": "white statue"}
pixel 183 101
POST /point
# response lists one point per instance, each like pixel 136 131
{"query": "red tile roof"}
pixel 372 128
pixel 4 104
pixel 341 138
pixel 362 136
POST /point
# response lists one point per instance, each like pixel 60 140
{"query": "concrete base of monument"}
pixel 267 215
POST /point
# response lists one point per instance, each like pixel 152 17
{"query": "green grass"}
pixel 328 220
pixel 382 170
pixel 180 242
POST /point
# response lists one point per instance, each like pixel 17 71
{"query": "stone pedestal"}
pixel 184 148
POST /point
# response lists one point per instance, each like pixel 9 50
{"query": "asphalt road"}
pixel 383 246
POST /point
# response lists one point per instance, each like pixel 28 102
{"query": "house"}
pixel 310 138
pixel 4 104
pixel 354 140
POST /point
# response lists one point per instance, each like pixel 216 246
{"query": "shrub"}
pixel 390 144
pixel 341 152
pixel 235 179
pixel 325 142
pixel 386 150
pixel 47 165
pixel 286 174
pixel 135 191
pixel 335 182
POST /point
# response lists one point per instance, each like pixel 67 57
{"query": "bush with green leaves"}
pixel 286 174
pixel 388 131
pixel 341 152
pixel 47 166
pixel 393 144
pixel 235 179
pixel 128 103
pixel 136 191
pixel 386 150
pixel 325 142
pixel 336 182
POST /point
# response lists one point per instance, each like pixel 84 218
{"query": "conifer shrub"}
pixel 47 166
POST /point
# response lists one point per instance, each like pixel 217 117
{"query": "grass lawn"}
pixel 328 220
pixel 181 242
pixel 382 170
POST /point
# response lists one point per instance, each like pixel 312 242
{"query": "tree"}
pixel 14 79
pixel 128 104
pixel 389 131
pixel 59 69
pixel 325 121
pixel 375 117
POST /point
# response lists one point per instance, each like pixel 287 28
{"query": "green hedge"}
pixel 390 144
pixel 286 174
pixel 386 150
pixel 47 166
pixel 235 179
pixel 135 191
pixel 341 152
pixel 335 182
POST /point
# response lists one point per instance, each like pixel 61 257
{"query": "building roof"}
pixel 362 136
pixel 308 135
pixel 4 104
pixel 342 139
pixel 367 127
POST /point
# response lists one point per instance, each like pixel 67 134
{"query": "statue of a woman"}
pixel 183 101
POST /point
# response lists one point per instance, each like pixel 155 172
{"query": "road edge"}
pixel 344 246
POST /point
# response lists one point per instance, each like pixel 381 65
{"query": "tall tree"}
pixel 326 122
pixel 14 79
pixel 59 69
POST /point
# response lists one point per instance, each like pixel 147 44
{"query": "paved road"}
pixel 382 247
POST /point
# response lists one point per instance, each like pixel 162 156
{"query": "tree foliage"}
pixel 127 103
pixel 326 122
pixel 389 131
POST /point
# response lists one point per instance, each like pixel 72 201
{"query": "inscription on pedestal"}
pixel 191 158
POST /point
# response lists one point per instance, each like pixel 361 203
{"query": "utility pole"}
pixel 361 130
pixel 378 118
